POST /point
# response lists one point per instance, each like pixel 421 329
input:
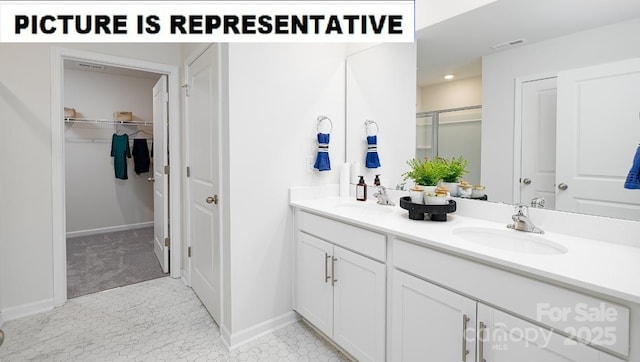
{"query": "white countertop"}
pixel 603 267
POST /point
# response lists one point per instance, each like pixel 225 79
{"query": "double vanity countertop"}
pixel 600 266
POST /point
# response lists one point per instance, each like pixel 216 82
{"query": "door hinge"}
pixel 166 242
pixel 165 97
pixel 186 89
pixel 188 171
pixel 189 252
pixel 166 169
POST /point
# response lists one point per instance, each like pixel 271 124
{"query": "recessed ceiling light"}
pixel 449 76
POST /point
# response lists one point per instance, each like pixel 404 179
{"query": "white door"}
pixel 160 182
pixel 359 310
pixel 538 165
pixel 430 323
pixel 506 339
pixel 203 107
pixel 313 290
pixel 598 133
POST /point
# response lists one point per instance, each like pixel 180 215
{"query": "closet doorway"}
pixel 114 183
pixel 114 206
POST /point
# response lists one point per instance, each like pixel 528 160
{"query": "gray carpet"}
pixel 105 261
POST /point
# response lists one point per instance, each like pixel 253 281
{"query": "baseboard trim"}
pixel 327 339
pixel 24 310
pixel 108 229
pixel 235 340
pixel 225 337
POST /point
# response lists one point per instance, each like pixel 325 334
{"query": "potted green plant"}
pixel 452 172
pixel 426 173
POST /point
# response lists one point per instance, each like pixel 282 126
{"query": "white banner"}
pixel 206 21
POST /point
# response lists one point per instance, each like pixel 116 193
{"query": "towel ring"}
pixel 368 123
pixel 321 119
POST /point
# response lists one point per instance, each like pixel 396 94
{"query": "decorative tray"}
pixel 436 212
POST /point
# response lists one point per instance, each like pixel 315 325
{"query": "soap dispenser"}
pixel 376 181
pixel 361 190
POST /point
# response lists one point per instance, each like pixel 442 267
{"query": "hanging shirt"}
pixel 120 151
pixel 140 154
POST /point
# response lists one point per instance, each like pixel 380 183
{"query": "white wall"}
pixel 452 94
pixel 381 87
pixel 276 92
pixel 601 45
pixel 25 183
pixel 95 199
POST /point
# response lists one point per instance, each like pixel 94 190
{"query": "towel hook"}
pixel 368 123
pixel 321 119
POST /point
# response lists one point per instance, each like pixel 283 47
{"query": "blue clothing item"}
pixel 633 178
pixel 120 151
pixel 322 159
pixel 372 161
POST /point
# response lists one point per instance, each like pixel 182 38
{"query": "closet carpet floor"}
pixel 105 261
pixel 156 320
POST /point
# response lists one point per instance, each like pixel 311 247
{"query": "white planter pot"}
pixel 453 188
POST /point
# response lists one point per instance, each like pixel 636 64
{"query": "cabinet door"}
pixel 430 323
pixel 359 305
pixel 506 338
pixel 313 291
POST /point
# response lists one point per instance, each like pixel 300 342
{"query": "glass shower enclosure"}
pixel 451 133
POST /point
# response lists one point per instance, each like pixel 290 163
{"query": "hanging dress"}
pixel 120 151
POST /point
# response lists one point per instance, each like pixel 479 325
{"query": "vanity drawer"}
pixel 591 319
pixel 359 240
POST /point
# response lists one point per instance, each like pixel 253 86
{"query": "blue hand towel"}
pixel 322 159
pixel 633 178
pixel 372 161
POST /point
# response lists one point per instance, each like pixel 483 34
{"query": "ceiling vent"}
pixel 91 66
pixel 508 44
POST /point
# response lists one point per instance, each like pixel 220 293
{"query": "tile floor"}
pixel 156 320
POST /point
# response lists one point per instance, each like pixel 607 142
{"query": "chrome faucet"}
pixel 383 198
pixel 538 202
pixel 522 222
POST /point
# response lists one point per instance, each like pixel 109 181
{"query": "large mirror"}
pixel 544 100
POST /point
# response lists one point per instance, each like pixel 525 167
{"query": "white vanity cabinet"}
pixel 430 323
pixel 505 338
pixel 386 292
pixel 501 335
pixel 342 292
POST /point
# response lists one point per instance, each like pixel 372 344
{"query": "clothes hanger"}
pixel 138 131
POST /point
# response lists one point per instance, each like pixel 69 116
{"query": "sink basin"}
pixel 365 208
pixel 511 240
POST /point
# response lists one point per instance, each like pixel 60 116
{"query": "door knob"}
pixel 213 199
pixel 151 179
pixel 563 186
pixel 526 181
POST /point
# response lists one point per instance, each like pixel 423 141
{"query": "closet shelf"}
pixel 106 121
